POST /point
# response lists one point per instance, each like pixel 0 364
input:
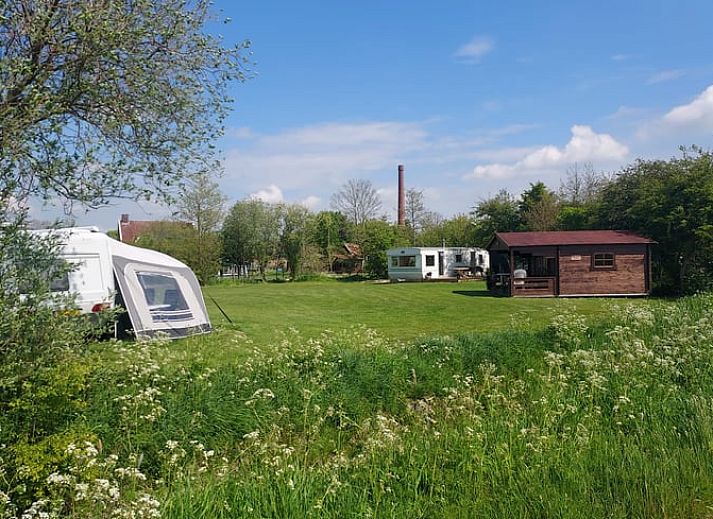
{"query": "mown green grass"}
pixel 398 310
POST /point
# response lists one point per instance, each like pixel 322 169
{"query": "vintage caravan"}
pixel 160 293
pixel 431 263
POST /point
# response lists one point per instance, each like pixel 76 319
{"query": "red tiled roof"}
pixel 129 231
pixel 534 239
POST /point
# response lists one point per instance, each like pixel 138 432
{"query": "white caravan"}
pixel 160 293
pixel 427 263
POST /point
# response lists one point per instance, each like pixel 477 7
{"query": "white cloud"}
pixel 271 194
pixel 584 146
pixel 389 198
pixel 311 202
pixel 625 112
pixel 665 75
pixel 323 155
pixel 242 132
pixel 621 57
pixel 475 49
pixel 698 113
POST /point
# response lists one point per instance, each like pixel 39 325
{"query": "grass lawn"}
pixel 399 311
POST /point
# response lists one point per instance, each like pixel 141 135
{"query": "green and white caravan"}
pixel 431 263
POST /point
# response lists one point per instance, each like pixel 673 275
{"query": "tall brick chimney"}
pixel 402 197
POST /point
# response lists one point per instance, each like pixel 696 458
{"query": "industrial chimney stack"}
pixel 402 197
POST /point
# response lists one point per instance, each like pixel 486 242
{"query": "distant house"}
pixel 349 260
pixel 429 263
pixel 129 230
pixel 570 263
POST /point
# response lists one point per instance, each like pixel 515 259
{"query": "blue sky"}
pixel 471 97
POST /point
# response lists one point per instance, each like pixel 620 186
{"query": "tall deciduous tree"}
pixel 330 229
pixel 357 200
pixel 458 231
pixel 539 208
pixel 109 98
pixel 498 213
pixel 377 237
pixel 295 236
pixel 578 193
pixel 671 202
pixel 416 212
pixel 201 203
pixel 251 233
pixel 581 185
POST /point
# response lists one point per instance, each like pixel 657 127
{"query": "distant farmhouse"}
pixel 570 263
pixel 349 260
pixel 130 230
pixel 436 263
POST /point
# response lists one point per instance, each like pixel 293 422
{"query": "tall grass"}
pixel 612 418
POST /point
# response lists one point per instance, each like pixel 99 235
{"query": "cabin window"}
pixel 480 259
pixel 459 258
pixel 430 260
pixel 603 261
pixel 163 297
pixel 407 261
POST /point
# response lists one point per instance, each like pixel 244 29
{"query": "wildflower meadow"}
pixel 599 416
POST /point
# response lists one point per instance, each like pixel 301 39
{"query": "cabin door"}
pixel 440 263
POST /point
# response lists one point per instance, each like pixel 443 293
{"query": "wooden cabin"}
pixel 570 264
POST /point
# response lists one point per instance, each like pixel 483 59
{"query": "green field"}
pixel 398 311
pixel 446 403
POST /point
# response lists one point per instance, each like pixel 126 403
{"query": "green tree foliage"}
pixel 539 208
pixel 575 218
pixel 581 185
pixel 498 213
pixel 251 233
pixel 182 241
pixel 578 194
pixel 378 236
pixel 109 98
pixel 98 99
pixel 416 212
pixel 201 203
pixel 458 231
pixel 672 203
pixel 329 230
pixel 295 237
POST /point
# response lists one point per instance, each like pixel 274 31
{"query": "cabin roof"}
pixel 353 249
pixel 538 239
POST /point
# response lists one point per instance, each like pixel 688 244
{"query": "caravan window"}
pixel 163 297
pixel 60 283
pixel 407 261
pixel 430 260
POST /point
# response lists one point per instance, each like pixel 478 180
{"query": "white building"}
pixel 425 263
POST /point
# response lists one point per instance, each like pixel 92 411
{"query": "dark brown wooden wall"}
pixel 577 277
